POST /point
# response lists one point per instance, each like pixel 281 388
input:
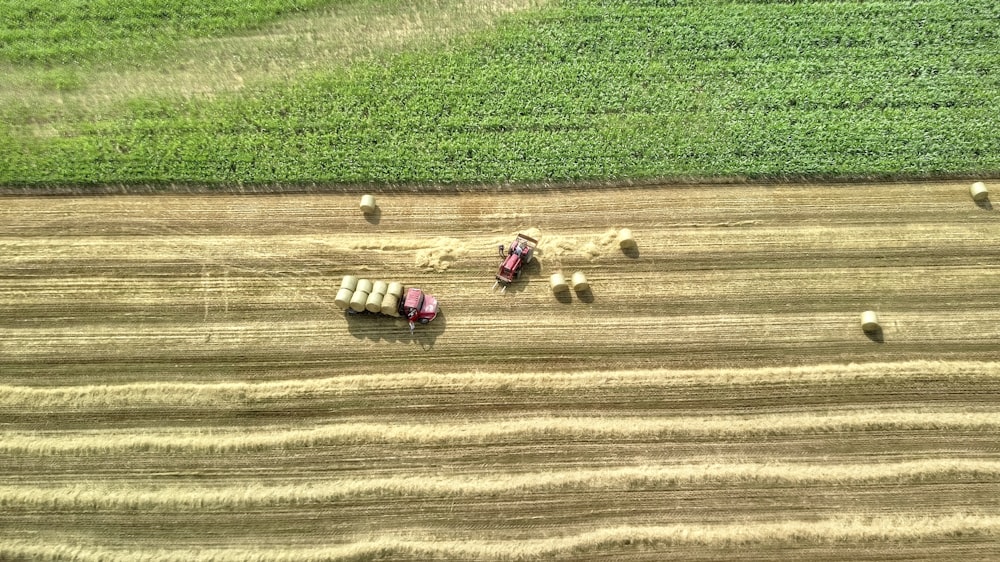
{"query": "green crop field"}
pixel 516 91
pixel 39 31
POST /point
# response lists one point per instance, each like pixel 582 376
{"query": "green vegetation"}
pixel 76 32
pixel 581 89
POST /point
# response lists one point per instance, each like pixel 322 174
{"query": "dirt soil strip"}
pixel 177 384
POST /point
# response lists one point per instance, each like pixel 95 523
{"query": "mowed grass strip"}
pixel 832 532
pixel 522 430
pixel 583 89
pixel 98 495
pixel 371 386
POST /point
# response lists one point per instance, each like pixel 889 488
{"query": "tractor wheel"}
pixel 424 320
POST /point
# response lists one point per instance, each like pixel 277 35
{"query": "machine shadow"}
pixel 379 327
pixel 529 272
pixel 426 334
pixel 376 327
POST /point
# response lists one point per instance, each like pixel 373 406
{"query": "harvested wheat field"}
pixel 177 384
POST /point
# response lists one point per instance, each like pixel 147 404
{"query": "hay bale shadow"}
pixel 375 216
pixel 985 204
pixel 631 252
pixel 564 297
pixel 392 329
pixel 376 327
pixel 876 335
pixel 585 295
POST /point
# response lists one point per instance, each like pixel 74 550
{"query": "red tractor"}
pixel 360 296
pixel 418 307
pixel 520 253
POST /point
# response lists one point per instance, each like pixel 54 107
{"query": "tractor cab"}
pixel 510 268
pixel 516 257
pixel 418 307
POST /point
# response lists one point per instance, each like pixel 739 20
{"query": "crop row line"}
pixel 194 394
pixel 632 478
pixel 848 529
pixel 222 440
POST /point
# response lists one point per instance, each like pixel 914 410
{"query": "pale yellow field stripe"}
pixel 99 495
pixel 219 440
pixel 194 394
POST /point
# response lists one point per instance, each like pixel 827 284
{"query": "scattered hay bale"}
pixel 558 282
pixel 579 282
pixel 979 191
pixel 625 239
pixel 367 204
pixel 869 321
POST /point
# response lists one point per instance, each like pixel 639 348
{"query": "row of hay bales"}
pixel 362 295
pixel 578 281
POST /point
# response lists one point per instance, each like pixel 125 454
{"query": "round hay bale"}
pixel 869 321
pixel 625 238
pixel 349 282
pixel 979 191
pixel 379 287
pixel 367 204
pixel 390 305
pixel 395 288
pixel 364 285
pixel 579 282
pixel 358 301
pixel 374 302
pixel 343 300
pixel 558 282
